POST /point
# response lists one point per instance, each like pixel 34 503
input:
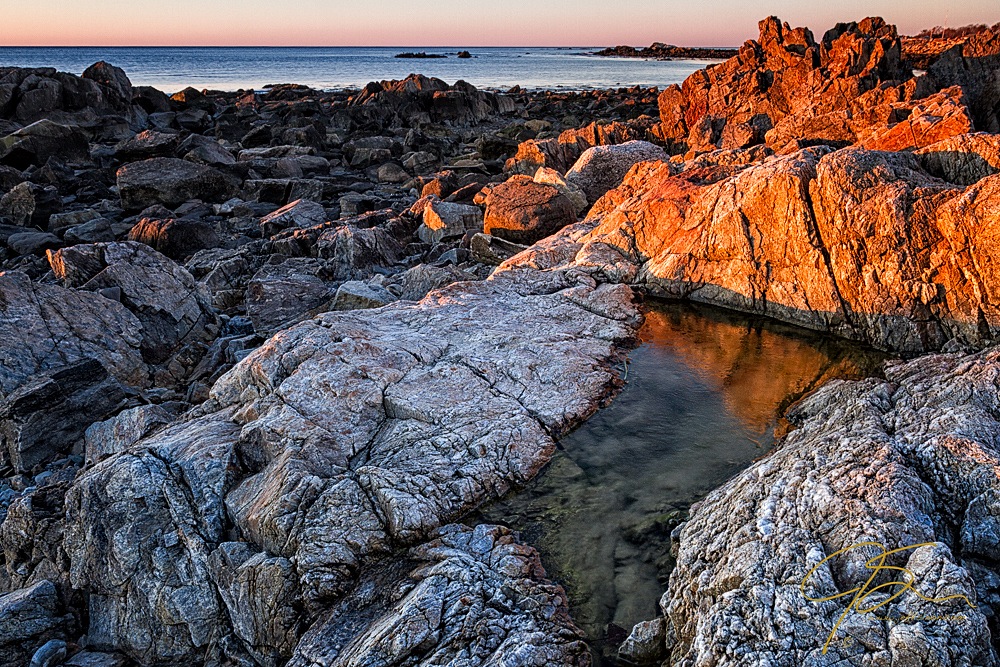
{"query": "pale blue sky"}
pixel 448 22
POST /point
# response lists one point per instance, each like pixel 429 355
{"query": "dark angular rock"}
pixel 36 143
pixel 30 205
pixel 45 417
pixel 170 181
pixel 176 239
pixel 28 618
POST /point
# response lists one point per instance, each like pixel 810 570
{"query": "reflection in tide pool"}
pixel 704 393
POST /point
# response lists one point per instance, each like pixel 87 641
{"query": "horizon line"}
pixel 348 46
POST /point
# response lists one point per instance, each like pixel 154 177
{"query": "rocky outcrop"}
pixel 789 91
pixel 861 243
pixel 899 462
pixel 973 65
pixel 418 98
pixel 338 442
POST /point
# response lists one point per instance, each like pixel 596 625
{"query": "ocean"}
pixel 232 68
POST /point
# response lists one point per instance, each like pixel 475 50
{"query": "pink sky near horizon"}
pixel 447 22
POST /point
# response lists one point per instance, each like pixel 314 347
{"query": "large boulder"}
pixel 114 83
pixel 445 220
pixel 299 213
pixel 603 168
pixel 147 144
pixel 522 211
pixel 44 139
pixel 170 181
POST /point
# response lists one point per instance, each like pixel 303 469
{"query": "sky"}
pixel 449 22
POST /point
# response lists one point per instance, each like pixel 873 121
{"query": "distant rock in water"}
pixel 464 54
pixel 662 51
pixel 421 54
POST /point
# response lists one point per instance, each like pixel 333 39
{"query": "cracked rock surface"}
pixel 340 441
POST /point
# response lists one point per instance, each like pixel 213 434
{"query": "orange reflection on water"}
pixel 759 367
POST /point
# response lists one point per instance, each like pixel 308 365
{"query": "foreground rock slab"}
pixel 340 441
pixel 448 610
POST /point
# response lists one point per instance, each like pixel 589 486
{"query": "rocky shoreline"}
pixel 261 351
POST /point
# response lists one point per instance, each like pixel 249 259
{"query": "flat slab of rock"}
pixel 338 441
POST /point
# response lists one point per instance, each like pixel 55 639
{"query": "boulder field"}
pixel 262 354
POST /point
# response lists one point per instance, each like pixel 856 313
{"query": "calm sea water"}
pixel 231 68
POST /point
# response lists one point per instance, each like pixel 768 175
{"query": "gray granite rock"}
pixel 339 441
pixel 903 461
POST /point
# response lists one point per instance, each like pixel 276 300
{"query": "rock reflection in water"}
pixel 704 393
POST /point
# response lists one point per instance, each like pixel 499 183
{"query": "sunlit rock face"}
pixel 864 244
pixel 790 90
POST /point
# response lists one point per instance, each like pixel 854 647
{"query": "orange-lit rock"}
pixel 865 244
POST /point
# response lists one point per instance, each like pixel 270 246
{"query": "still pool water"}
pixel 704 396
